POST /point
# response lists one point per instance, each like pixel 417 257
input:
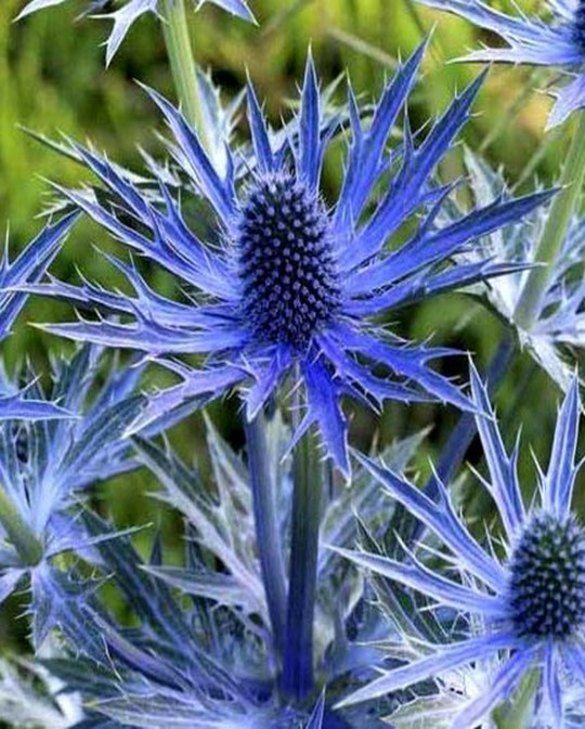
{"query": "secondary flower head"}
pixel 130 11
pixel 530 603
pixel 289 285
pixel 557 41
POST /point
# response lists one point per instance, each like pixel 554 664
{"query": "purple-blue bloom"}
pixel 288 285
pixel 131 10
pixel 529 601
pixel 557 41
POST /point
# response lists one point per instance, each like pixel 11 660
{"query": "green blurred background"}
pixel 53 80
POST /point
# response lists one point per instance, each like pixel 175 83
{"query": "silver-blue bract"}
pixel 130 12
pixel 530 603
pixel 557 41
pixel 287 284
pixel 210 659
pixel 559 326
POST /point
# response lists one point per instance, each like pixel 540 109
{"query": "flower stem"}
pixel 268 532
pixel 183 68
pixel 555 230
pixel 298 679
pixel 29 549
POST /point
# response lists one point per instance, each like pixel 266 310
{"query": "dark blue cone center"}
pixel 288 274
pixel 547 586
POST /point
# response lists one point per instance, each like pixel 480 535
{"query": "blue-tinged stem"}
pixel 29 549
pixel 268 533
pixel 298 678
pixel 183 67
pixel 559 218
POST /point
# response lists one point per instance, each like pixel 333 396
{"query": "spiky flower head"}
pixel 131 10
pixel 530 603
pixel 287 284
pixel 557 41
pixel 547 578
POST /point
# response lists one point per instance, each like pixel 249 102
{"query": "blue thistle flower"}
pixel 530 604
pixel 131 10
pixel 557 42
pixel 287 283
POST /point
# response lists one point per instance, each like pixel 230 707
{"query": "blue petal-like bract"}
pixel 28 268
pixel 287 285
pixel 54 447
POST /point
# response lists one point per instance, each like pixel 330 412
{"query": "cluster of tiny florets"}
pixel 290 284
pixel 547 585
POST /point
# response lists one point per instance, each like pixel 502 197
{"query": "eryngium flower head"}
pixel 131 10
pixel 557 41
pixel 290 284
pixel 530 603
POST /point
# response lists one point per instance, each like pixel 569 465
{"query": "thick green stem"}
pixel 29 549
pixel 555 230
pixel 298 678
pixel 183 68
